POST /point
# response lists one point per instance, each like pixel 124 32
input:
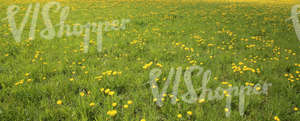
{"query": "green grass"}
pixel 157 27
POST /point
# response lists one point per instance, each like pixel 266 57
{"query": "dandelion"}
pixel 114 104
pixel 143 119
pixel 125 106
pixel 92 104
pixel 258 88
pixel 111 93
pixel 19 82
pixel 276 118
pixel 159 65
pixel 164 95
pixel 29 80
pixel 27 74
pixel 201 100
pixel 58 102
pixel 190 113
pixel 129 102
pixel 112 113
pixel 81 93
pixel 179 116
pixel 146 66
pixel 153 86
pixel 215 78
pixel 226 110
pixel 296 109
pixel 107 91
pixel 71 79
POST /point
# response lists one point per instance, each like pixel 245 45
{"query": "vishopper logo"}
pixel 295 19
pixel 50 32
pixel 207 94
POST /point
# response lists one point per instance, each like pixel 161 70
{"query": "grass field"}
pixel 242 43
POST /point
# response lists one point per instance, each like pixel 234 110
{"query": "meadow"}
pixel 242 43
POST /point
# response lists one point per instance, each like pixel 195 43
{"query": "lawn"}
pixel 105 70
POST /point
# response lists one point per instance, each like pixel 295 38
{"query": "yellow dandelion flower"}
pixel 276 118
pixel 114 104
pixel 27 74
pixel 226 109
pixel 224 83
pixel 153 86
pixel 179 116
pixel 112 113
pixel 111 93
pixel 107 91
pixel 164 95
pixel 125 106
pixel 286 75
pixel 92 104
pixel 189 113
pixel 201 100
pixel 58 102
pixel 29 80
pixel 146 66
pixel 129 102
pixel 81 93
pixel 159 65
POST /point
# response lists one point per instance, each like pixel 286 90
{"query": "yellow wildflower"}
pixel 59 102
pixel 92 104
pixel 276 118
pixel 81 93
pixel 201 100
pixel 129 102
pixel 114 104
pixel 190 113
pixel 226 110
pixel 112 113
pixel 179 116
